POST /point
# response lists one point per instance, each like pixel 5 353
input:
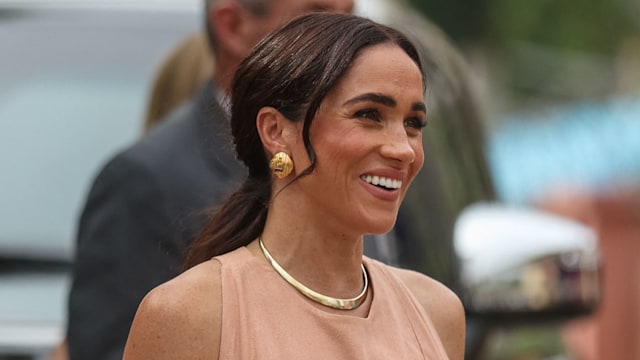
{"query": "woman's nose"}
pixel 397 146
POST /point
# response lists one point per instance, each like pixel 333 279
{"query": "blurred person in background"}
pixel 334 101
pixel 149 201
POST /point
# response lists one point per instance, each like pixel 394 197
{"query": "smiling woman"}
pixel 342 97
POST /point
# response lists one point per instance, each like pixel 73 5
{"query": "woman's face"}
pixel 367 136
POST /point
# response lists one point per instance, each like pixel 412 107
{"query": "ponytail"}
pixel 238 221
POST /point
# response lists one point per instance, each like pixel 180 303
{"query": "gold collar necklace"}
pixel 340 304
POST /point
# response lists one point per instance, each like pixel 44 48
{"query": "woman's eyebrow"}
pixel 384 100
pixel 374 97
pixel 419 106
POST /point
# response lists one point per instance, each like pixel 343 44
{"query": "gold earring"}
pixel 281 165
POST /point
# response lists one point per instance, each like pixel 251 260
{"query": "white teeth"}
pixel 382 181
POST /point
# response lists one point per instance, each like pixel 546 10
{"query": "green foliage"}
pixel 587 25
pixel 525 342
pixel 461 19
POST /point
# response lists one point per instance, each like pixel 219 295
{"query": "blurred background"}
pixel 558 84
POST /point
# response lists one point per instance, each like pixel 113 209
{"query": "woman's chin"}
pixel 382 226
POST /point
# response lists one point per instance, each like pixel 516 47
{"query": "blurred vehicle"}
pixel 522 266
pixel 74 86
pixel 73 90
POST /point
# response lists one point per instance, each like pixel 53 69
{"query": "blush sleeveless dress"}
pixel 263 317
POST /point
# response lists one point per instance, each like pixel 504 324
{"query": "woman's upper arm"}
pixel 180 319
pixel 450 323
pixel 444 308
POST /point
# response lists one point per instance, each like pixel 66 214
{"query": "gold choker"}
pixel 341 304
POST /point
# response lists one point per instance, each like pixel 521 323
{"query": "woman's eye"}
pixel 371 114
pixel 415 122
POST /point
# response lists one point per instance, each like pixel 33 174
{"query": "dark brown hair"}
pixel 291 70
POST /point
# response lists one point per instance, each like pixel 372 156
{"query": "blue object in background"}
pixel 589 145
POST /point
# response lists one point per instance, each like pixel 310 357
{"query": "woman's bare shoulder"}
pixel 180 318
pixel 443 307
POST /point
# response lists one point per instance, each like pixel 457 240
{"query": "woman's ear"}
pixel 275 130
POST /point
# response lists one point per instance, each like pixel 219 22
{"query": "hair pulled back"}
pixel 292 70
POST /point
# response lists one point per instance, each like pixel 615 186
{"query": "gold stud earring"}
pixel 281 165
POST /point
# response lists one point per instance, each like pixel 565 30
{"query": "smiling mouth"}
pixel 382 182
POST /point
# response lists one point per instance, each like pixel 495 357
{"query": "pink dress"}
pixel 263 317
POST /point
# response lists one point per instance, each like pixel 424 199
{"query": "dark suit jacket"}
pixel 144 208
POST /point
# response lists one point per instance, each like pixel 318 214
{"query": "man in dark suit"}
pixel 149 201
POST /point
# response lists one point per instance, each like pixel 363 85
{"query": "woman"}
pixel 327 115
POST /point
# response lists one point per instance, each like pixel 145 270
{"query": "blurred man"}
pixel 149 201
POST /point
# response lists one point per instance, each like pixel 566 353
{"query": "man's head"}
pixel 235 26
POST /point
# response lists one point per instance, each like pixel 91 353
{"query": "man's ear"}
pixel 232 25
pixel 276 131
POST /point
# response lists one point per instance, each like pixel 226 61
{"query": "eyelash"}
pixel 416 123
pixel 373 114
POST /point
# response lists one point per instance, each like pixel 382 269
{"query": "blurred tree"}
pixel 463 20
pixel 587 25
pixel 541 52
